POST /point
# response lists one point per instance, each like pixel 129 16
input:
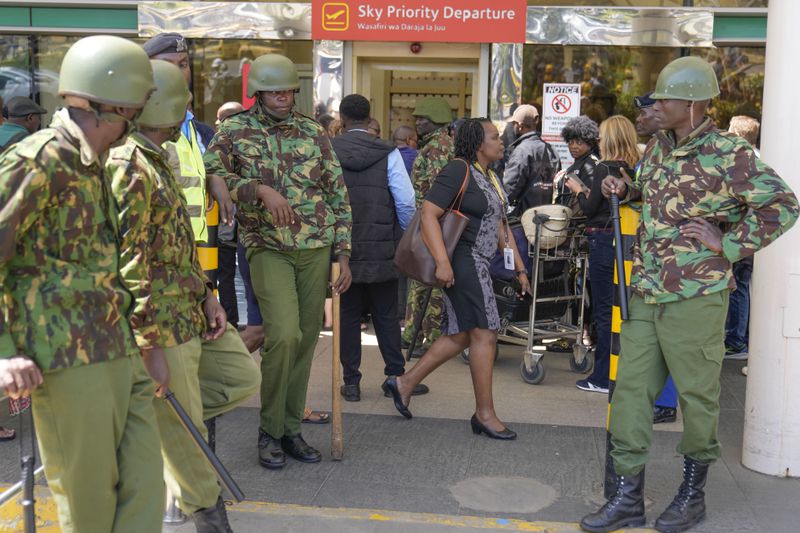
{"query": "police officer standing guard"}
pixel 64 332
pixel 433 116
pixel 707 201
pixel 178 322
pixel 292 207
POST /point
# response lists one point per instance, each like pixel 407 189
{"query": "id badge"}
pixel 508 258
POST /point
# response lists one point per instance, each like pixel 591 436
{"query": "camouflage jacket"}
pixel 712 175
pixel 436 150
pixel 294 157
pixel 64 301
pixel 159 260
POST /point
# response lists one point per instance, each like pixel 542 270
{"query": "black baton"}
pixel 622 285
pixel 223 474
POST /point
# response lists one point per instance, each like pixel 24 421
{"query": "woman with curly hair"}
pixel 619 153
pixel 470 314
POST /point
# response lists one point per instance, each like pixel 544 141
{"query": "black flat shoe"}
pixel 479 428
pixel 419 390
pixel 270 454
pixel 663 415
pixel 351 393
pixel 390 388
pixel 299 449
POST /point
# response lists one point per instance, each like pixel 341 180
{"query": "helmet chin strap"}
pixel 691 116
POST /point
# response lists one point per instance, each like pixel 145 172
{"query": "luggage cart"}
pixel 563 244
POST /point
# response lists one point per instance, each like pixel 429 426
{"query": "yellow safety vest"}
pixel 192 180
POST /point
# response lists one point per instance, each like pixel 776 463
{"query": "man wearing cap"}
pixel 293 213
pixel 186 154
pixel 24 118
pixel 433 116
pixel 64 330
pixel 707 201
pixel 532 163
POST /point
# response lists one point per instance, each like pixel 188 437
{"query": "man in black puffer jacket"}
pixel 382 203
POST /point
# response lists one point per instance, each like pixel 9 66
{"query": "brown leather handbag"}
pixel 412 256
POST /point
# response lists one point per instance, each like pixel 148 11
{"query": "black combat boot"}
pixel 624 509
pixel 212 519
pixel 689 506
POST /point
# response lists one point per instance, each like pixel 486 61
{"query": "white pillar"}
pixel 772 409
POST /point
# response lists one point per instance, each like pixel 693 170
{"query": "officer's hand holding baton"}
pixel 155 362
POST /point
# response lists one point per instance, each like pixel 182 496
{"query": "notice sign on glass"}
pixel 471 21
pixel 561 102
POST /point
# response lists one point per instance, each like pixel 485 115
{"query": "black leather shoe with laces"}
pixel 299 449
pixel 688 508
pixel 624 509
pixel 270 454
pixel 212 519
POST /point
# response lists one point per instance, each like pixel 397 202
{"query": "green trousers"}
pixel 290 288
pixel 684 339
pixel 208 378
pixel 431 328
pixel 99 445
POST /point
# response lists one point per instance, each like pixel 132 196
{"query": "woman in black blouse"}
pixel 619 154
pixel 470 315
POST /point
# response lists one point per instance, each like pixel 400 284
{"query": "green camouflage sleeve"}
pixel 24 193
pixel 771 206
pixel 338 199
pixel 133 191
pixel 419 170
pixel 220 161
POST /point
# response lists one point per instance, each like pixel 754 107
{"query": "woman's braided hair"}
pixel 469 138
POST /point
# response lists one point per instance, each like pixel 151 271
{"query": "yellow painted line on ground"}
pixel 46 513
pixel 402 517
pixel 47 517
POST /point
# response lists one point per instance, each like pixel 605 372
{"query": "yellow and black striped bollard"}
pixel 629 220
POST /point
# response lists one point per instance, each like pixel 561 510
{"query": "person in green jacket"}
pixel 293 213
pixel 177 319
pixel 65 337
pixel 707 202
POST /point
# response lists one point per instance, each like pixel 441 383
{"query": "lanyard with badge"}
pixel 508 252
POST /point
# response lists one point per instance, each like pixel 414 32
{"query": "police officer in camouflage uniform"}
pixel 292 208
pixel 433 115
pixel 707 201
pixel 177 318
pixel 64 331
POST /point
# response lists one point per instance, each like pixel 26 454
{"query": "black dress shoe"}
pixel 479 428
pixel 664 414
pixel 351 393
pixel 297 448
pixel 419 390
pixel 270 454
pixel 390 388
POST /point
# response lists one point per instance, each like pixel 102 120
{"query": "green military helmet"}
pixel 272 72
pixel 434 108
pixel 108 70
pixel 167 106
pixel 686 78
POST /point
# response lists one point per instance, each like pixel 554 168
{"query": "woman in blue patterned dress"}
pixel 470 315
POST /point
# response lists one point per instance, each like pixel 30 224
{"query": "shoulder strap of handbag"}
pixel 460 196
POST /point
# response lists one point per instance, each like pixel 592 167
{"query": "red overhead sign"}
pixel 471 21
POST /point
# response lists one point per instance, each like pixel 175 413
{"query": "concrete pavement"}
pixel 431 474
